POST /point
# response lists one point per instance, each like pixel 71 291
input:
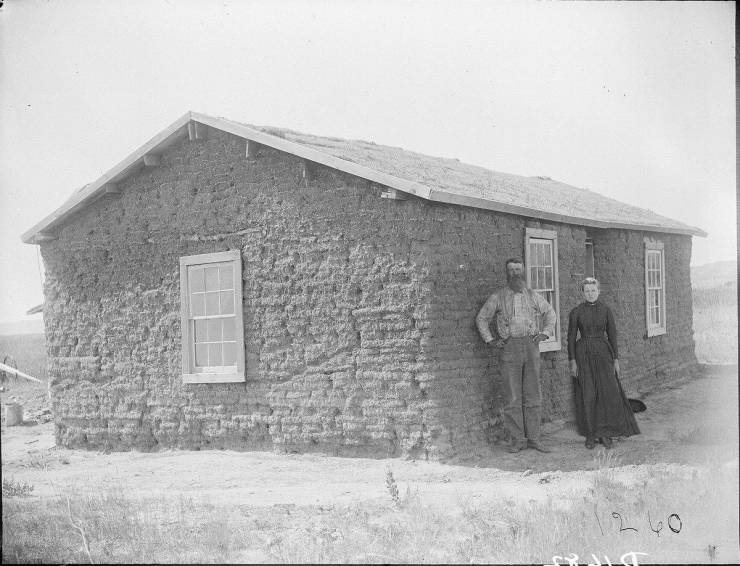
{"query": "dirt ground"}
pixel 689 424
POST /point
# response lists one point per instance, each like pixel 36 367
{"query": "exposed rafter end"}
pixel 393 194
pixel 151 160
pixel 197 131
pixel 112 190
pixel 252 149
pixel 44 237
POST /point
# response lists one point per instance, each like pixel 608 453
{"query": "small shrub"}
pixel 12 488
pixel 392 487
pixel 37 460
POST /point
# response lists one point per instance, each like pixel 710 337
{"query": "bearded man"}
pixel 523 319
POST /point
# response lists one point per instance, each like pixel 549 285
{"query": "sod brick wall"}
pixel 358 311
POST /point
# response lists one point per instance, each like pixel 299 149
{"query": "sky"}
pixel 634 100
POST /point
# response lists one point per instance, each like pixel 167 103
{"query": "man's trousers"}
pixel 519 361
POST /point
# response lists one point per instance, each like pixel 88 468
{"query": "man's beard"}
pixel 516 282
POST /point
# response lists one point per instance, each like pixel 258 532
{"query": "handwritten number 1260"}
pixel 674 523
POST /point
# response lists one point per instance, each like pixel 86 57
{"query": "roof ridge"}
pixel 441 179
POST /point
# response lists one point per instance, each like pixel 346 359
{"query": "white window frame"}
pixel 590 255
pixel 552 344
pixel 655 249
pixel 216 374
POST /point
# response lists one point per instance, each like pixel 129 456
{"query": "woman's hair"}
pixel 590 281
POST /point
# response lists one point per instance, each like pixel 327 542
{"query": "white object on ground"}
pixel 13 414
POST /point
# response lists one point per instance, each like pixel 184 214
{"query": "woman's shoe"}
pixel 607 442
pixel 590 443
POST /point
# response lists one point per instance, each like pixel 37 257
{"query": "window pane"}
pixel 548 278
pixel 201 355
pixel 229 354
pixel 547 251
pixel 195 276
pixel 200 330
pixel 212 304
pixel 214 354
pixel 214 330
pixel 198 304
pixel 211 278
pixel 229 326
pixel 226 273
pixel 227 302
pixel 540 254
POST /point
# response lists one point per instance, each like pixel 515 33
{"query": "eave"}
pixel 148 153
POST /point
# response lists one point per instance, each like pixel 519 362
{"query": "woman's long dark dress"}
pixel 602 409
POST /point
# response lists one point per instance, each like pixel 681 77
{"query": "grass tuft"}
pixel 13 488
pixel 120 528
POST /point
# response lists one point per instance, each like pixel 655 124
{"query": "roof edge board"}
pixel 451 198
pixel 114 174
pixel 311 154
pixel 166 137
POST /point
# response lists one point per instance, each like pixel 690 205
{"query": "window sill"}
pixel 655 332
pixel 213 378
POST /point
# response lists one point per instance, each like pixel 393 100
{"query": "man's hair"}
pixel 590 281
pixel 512 260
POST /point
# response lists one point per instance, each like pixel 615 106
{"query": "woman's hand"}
pixel 616 367
pixel 573 368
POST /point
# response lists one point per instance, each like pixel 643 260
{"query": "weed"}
pixel 392 487
pixel 37 460
pixel 116 527
pixel 12 488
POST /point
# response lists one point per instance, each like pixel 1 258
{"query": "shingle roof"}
pixel 432 178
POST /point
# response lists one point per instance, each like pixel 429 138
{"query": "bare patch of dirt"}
pixel 686 425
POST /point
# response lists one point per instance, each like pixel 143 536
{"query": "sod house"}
pixel 229 286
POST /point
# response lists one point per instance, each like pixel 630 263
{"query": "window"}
pixel 654 287
pixel 589 258
pixel 541 259
pixel 212 328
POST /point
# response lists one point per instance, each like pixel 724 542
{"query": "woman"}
pixel 602 410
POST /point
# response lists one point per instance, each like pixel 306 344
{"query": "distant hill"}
pixel 713 274
pixel 31 326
